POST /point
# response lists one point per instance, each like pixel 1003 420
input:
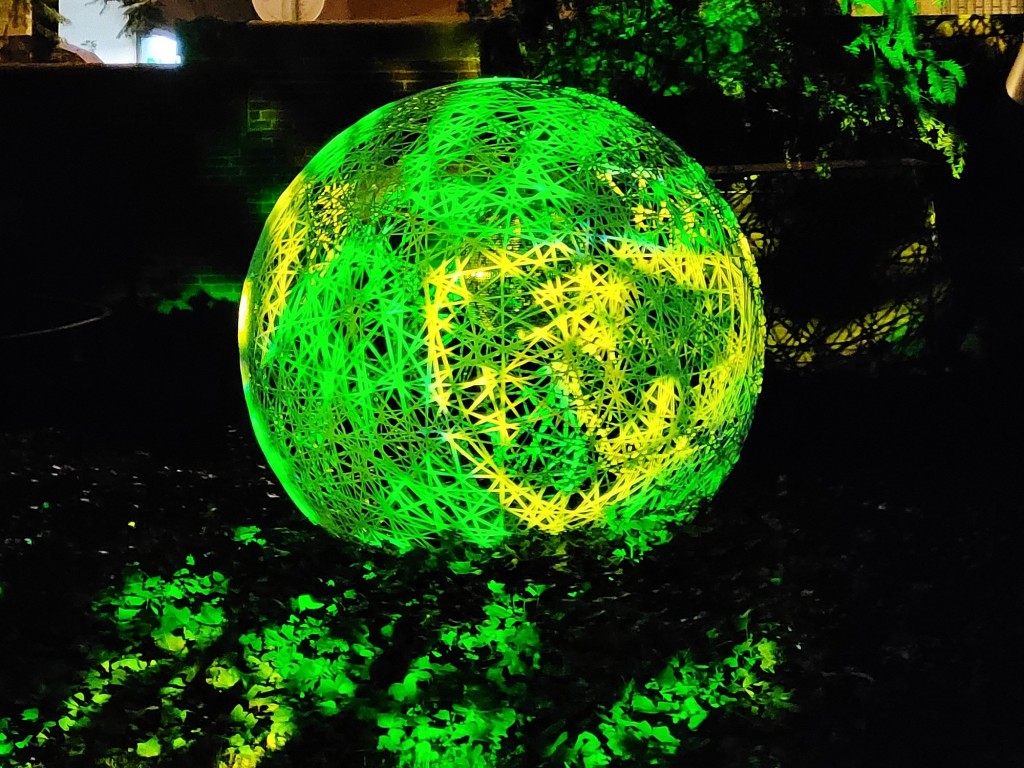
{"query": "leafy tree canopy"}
pixel 807 59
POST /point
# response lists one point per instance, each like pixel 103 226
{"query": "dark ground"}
pixel 886 506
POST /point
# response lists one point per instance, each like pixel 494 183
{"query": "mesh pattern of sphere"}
pixel 496 305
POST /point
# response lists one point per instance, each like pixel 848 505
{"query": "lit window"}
pixel 159 48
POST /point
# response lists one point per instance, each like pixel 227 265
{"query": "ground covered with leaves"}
pixel 850 598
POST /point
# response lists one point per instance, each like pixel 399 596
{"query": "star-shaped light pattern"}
pixel 498 305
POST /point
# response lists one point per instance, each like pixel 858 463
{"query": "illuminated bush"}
pixel 499 305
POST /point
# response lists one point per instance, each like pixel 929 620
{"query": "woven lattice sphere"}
pixel 497 305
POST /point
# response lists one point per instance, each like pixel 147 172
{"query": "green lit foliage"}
pixel 457 705
pixel 206 673
pixel 902 62
pixel 650 722
pixel 166 626
pixel 172 643
pixel 672 47
pixel 686 692
pixel 907 71
pixel 500 306
pixel 203 286
pixel 883 78
pixel 179 615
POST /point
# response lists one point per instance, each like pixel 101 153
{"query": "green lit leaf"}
pixel 409 687
pixel 557 744
pixel 425 754
pixel 768 651
pixel 168 641
pixel 588 747
pixel 397 691
pixel 643 704
pixel 249 534
pixel 126 614
pixel 389 720
pixel 174 618
pixel 130 663
pixel 392 740
pixel 211 614
pixel 449 636
pixel 667 678
pixel 150 748
pixel 536 590
pixel 333 688
pixel 664 735
pixel 305 603
pixel 223 677
pixel 328 707
pixel 743 621
pixel 696 713
pixel 240 715
pixel 30 715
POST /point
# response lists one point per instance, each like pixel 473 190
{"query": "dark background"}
pixel 889 493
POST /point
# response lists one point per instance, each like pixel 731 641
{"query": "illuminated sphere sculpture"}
pixel 500 305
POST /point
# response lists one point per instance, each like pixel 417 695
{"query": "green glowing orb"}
pixel 500 305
